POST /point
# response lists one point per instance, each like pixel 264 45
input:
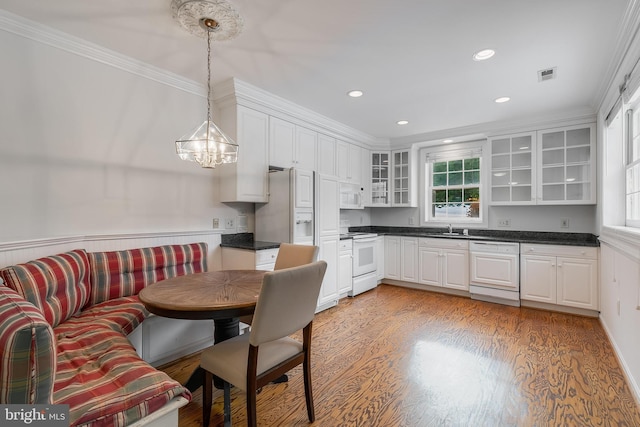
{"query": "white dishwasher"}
pixel 495 272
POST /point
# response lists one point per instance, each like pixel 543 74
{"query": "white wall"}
pixel 620 250
pixel 88 148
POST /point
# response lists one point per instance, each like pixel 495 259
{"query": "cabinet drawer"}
pixel 443 243
pixel 266 256
pixel 559 250
pixel 346 245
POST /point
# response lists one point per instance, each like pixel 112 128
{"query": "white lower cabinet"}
pixel 247 259
pixel 345 268
pixel 409 259
pixel 330 252
pixel 444 263
pixel 392 257
pixel 380 252
pixel 561 275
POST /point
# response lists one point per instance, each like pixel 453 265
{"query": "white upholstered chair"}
pixel 290 255
pixel 286 304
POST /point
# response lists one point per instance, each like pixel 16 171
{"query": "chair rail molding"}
pixel 22 251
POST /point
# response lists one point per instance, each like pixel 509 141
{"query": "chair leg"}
pixel 207 397
pixel 251 409
pixel 306 370
pixel 227 404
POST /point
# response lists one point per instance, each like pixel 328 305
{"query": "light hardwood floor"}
pixel 402 357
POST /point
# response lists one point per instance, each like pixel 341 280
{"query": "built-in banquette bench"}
pixel 64 321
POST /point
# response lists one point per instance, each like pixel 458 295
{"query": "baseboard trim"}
pixel 633 385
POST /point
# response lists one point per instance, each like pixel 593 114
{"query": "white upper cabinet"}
pixel 282 135
pixel 246 180
pixel 327 155
pixel 291 145
pixel 393 178
pixel 306 143
pixel 365 163
pixel 566 165
pixel 380 178
pixel 403 193
pixel 513 169
pixel 547 167
pixel 349 162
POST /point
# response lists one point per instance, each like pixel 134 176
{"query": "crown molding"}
pixel 234 90
pixel 490 129
pixel 35 31
pixel 625 55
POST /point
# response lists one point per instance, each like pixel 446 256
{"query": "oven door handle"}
pixel 367 240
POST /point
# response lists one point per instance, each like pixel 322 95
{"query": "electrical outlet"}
pixel 564 223
pixel 216 223
pixel 410 220
pixel 504 223
pixel 230 223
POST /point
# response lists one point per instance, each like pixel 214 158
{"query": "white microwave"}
pixel 351 196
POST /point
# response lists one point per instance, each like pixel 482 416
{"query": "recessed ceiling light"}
pixel 402 122
pixel 570 179
pixel 483 54
pixel 502 99
pixel 355 93
pixel 446 141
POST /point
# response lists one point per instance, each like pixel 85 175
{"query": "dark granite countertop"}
pixel 540 237
pixel 245 241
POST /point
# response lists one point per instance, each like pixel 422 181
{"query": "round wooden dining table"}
pixel 219 295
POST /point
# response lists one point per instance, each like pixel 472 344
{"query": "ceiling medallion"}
pixel 193 16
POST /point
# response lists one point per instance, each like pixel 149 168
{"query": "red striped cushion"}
pixel 119 274
pixel 120 314
pixel 104 382
pixel 27 361
pixel 58 285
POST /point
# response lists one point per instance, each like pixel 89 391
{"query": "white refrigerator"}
pixel 289 215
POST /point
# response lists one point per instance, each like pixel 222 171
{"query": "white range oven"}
pixel 365 261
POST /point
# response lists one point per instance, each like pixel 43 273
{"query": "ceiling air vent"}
pixel 548 74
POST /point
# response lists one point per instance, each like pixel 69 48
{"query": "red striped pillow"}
pixel 58 285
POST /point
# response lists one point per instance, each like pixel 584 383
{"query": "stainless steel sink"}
pixel 446 233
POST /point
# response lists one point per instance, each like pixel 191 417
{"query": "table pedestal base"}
pixel 223 330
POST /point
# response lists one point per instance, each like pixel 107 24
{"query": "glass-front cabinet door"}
pixel 513 180
pixel 566 165
pixel 401 178
pixel 380 178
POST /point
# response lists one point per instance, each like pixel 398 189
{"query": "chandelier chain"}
pixel 208 75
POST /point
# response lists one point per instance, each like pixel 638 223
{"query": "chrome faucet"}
pixel 450 229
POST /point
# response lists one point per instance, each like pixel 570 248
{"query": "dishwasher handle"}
pixel 495 247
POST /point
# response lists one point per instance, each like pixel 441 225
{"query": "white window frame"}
pixel 632 166
pixel 453 152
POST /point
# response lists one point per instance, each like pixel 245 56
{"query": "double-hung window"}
pixel 632 187
pixel 453 186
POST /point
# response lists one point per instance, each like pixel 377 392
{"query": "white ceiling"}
pixel 412 58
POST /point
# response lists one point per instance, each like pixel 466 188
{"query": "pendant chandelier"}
pixel 216 20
